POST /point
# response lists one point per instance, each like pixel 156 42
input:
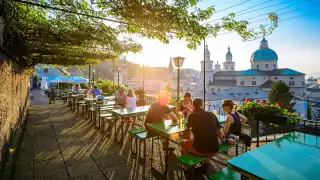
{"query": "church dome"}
pixel 264 53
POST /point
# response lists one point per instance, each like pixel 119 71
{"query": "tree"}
pixel 72 32
pixel 280 92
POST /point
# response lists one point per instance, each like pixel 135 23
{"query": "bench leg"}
pixel 237 147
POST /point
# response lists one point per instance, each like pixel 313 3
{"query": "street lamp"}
pixel 178 62
pixel 118 70
pixel 93 71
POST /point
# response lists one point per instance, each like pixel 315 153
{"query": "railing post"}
pixel 257 133
pixel 304 127
pixel 267 131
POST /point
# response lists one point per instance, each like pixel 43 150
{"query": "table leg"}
pixel 166 146
pixel 99 118
pixel 73 104
pixel 121 141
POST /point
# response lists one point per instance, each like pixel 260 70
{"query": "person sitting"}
pixel 203 139
pixel 96 91
pixel 131 100
pixel 76 88
pixel 158 110
pixel 234 118
pixel 120 97
pixel 185 105
pixel 88 90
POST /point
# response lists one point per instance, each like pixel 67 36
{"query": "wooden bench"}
pixel 226 173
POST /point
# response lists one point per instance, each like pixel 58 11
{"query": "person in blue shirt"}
pixel 96 91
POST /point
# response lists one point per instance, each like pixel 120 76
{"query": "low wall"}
pixel 14 95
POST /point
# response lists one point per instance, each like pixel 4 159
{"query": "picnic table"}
pixel 130 112
pixel 167 128
pixel 293 156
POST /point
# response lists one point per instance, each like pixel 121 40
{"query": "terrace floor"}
pixel 59 144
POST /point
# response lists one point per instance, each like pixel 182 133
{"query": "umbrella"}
pixel 77 79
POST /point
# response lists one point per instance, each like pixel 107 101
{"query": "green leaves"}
pixel 280 92
pixel 81 32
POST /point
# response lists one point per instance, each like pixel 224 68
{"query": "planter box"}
pixel 271 118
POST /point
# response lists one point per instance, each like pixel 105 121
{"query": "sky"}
pixel 296 41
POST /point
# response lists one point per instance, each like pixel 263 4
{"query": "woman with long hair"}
pixel 184 105
pixel 131 99
pixel 234 118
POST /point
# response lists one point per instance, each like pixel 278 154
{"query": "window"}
pixel 291 83
pixel 218 89
pixel 253 78
pixel 291 77
pixel 231 67
pixel 266 65
pixel 304 93
pixel 303 83
pixel 254 83
pixel 257 66
pixel 274 65
pixel 241 82
pixel 275 77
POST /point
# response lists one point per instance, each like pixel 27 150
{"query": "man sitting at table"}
pixel 120 97
pixel 203 139
pixel 96 91
pixel 157 111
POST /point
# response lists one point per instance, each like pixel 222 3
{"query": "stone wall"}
pixel 14 88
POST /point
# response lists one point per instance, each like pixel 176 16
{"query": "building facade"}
pixel 263 72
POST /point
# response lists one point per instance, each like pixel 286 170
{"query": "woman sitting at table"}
pixel 234 118
pixel 185 105
pixel 131 100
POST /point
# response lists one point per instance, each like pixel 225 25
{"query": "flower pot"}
pixel 271 118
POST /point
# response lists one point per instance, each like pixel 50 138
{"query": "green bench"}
pixel 226 173
pixel 134 137
pixel 192 160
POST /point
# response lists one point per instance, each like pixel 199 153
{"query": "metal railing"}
pixel 266 129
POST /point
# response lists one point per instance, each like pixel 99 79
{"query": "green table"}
pixel 293 156
pixel 166 128
pixel 129 112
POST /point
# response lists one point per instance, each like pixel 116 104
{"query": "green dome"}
pixel 229 54
pixel 264 53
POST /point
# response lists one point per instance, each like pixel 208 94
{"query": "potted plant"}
pixel 267 112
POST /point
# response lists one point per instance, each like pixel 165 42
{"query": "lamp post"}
pixel 118 69
pixel 113 73
pixel 89 77
pixel 93 71
pixel 178 62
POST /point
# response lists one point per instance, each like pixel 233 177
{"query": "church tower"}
pixel 229 65
pixel 209 67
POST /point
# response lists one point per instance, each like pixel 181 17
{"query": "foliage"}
pixel 77 32
pixel 280 92
pixel 250 107
pixel 106 86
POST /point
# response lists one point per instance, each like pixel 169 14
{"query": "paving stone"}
pixel 51 164
pixel 22 173
pixel 47 154
pixel 119 172
pixel 52 174
pixel 82 168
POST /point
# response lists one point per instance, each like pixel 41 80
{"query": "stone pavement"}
pixel 59 144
